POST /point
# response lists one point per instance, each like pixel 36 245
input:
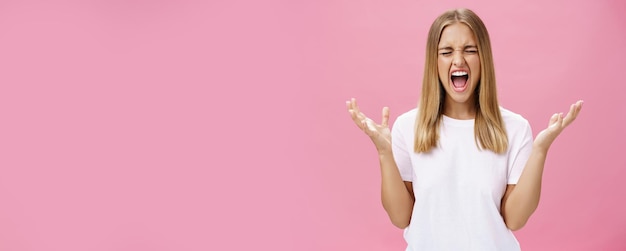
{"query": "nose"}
pixel 458 60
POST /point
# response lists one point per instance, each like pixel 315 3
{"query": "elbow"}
pixel 400 219
pixel 400 216
pixel 515 225
pixel 400 222
pixel 516 220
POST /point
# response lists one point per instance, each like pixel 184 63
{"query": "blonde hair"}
pixel 489 128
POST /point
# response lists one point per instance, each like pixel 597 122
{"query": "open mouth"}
pixel 459 80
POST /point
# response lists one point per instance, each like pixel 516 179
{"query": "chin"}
pixel 460 100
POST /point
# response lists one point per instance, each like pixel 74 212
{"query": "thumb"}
pixel 385 122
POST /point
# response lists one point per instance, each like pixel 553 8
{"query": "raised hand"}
pixel 556 125
pixel 380 134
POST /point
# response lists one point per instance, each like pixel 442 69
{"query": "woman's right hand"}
pixel 380 134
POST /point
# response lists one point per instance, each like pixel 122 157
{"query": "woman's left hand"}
pixel 556 125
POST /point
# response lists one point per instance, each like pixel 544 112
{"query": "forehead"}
pixel 457 34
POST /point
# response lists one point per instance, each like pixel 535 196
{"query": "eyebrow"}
pixel 465 48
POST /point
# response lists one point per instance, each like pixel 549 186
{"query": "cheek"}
pixel 442 70
pixel 474 65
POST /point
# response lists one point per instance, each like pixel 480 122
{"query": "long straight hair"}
pixel 489 128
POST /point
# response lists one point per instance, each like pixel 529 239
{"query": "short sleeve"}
pixel 520 152
pixel 400 146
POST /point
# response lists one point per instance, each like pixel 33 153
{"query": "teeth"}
pixel 459 73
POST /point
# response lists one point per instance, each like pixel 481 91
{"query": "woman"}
pixel 460 172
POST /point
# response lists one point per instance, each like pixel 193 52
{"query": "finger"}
pixel 553 119
pixel 354 105
pixel 572 114
pixel 579 106
pixel 363 124
pixel 349 107
pixel 385 122
pixel 556 120
pixel 359 115
pixel 370 125
pixel 354 114
pixel 357 121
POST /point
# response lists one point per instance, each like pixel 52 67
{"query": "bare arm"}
pixel 521 200
pixel 396 195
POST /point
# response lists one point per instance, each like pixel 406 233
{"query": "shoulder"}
pixel 406 119
pixel 513 120
pixel 517 127
pixel 405 123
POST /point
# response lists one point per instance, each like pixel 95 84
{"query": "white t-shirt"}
pixel 458 188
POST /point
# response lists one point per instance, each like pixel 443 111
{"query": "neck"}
pixel 455 110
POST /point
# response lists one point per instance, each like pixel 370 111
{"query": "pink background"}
pixel 221 125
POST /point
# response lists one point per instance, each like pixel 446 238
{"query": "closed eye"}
pixel 471 51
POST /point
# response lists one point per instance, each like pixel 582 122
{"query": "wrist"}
pixel 385 153
pixel 539 149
